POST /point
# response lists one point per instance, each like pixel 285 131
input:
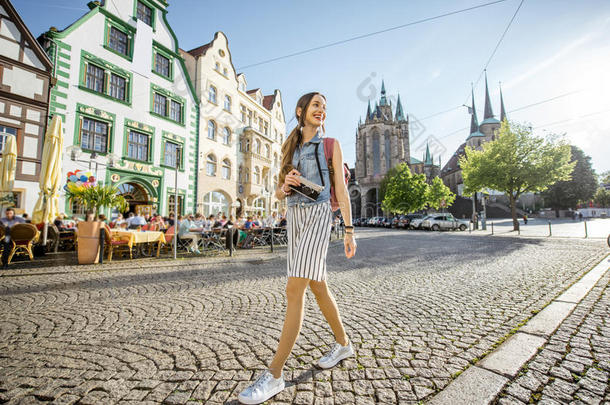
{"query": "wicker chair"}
pixel 23 237
pixel 112 242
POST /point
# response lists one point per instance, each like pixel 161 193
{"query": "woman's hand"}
pixel 350 245
pixel 291 180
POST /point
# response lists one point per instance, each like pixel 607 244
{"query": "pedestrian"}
pixel 580 216
pixel 7 223
pixel 524 219
pixel 309 222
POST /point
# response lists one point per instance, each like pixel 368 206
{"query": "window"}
pixel 212 94
pixel 95 78
pixel 241 170
pixel 257 146
pixel 175 111
pixel 160 104
pixel 247 145
pixel 275 159
pixel 211 165
pixel 224 71
pixel 266 127
pixel 257 175
pixel 144 13
pixel 162 65
pixel 226 169
pixel 226 136
pixel 4 132
pixel 247 175
pixel 118 41
pixel 118 85
pixel 217 66
pixel 242 109
pixel 138 145
pixel 171 203
pixel 211 130
pixel 227 103
pixel 171 154
pixel 94 135
pixel 242 86
pixel 260 124
pixel 275 134
pixel 250 117
pixel 267 151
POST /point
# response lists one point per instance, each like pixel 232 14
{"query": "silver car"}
pixel 417 222
pixel 445 221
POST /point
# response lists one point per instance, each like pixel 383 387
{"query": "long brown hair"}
pixel 295 137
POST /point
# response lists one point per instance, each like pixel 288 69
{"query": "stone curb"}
pixel 481 383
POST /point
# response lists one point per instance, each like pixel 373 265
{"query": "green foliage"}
pixel 602 197
pixel 404 192
pixel 96 197
pixel 582 186
pixel 604 178
pixel 516 162
pixel 439 192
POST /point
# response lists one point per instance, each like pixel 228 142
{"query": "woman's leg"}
pixel 295 295
pixel 329 309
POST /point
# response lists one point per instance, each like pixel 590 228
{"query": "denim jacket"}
pixel 304 160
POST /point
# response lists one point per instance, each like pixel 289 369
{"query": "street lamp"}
pixel 75 152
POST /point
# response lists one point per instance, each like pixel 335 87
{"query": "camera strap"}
pixel 318 162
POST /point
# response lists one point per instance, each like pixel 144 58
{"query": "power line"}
pixel 343 41
pixel 572 119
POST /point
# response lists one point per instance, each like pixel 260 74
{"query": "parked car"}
pixel 437 222
pixel 371 221
pixel 415 223
pixel 395 221
pixel 387 222
pixel 356 222
pixel 406 221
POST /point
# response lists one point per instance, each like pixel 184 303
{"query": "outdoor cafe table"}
pixel 140 237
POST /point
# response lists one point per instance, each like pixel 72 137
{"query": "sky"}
pixel 553 62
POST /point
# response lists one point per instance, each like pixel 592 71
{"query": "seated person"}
pixel 188 230
pixel 249 224
pixel 7 223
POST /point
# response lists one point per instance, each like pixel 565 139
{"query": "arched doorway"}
pixel 238 208
pixel 259 206
pixel 215 202
pixel 135 195
pixel 371 206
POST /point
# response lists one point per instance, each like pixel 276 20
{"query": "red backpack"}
pixel 329 148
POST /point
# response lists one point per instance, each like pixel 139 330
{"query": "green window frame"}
pixel 168 137
pixel 114 83
pixel 161 53
pixel 149 5
pixel 88 113
pixel 167 105
pixel 135 127
pixel 114 24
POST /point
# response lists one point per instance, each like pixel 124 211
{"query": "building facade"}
pixel 129 109
pixel 25 80
pixel 382 142
pixel 242 131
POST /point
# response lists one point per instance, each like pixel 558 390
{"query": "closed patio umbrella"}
pixel 47 206
pixel 8 165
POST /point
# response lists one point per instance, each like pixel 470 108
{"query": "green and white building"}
pixel 130 110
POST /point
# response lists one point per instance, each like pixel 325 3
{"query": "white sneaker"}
pixel 262 389
pixel 336 354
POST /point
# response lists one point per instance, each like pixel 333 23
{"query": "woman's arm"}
pixel 340 187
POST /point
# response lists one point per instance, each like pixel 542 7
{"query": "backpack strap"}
pixel 329 148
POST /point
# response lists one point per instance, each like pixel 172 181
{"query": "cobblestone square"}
pixel 419 308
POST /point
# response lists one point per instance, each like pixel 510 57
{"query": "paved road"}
pixel 565 228
pixel 420 307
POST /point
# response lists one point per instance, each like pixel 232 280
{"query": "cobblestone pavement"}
pixel 574 365
pixel 418 307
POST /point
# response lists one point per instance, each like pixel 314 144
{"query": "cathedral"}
pixel 382 142
pixel 480 132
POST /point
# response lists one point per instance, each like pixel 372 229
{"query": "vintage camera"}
pixel 308 189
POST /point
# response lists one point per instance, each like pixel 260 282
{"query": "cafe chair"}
pixel 23 236
pixel 119 242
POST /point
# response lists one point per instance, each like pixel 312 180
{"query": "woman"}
pixel 309 225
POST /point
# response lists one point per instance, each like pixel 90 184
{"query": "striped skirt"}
pixel 308 237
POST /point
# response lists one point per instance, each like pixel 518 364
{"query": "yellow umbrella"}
pixel 47 206
pixel 8 165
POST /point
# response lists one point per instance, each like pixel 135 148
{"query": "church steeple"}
pixel 383 100
pixel 474 122
pixel 428 158
pixel 502 110
pixel 368 111
pixel 400 116
pixel 488 111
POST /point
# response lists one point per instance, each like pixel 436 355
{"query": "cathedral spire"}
pixel 368 111
pixel 428 158
pixel 488 111
pixel 474 122
pixel 502 110
pixel 383 100
pixel 400 115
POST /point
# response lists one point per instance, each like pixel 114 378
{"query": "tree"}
pixel 96 197
pixel 604 178
pixel 602 197
pixel 516 162
pixel 404 192
pixel 581 187
pixel 439 195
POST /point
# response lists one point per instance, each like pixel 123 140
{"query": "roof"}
pixel 453 163
pixel 415 160
pixel 489 121
pixel 268 101
pixel 252 91
pixel 474 134
pixel 200 50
